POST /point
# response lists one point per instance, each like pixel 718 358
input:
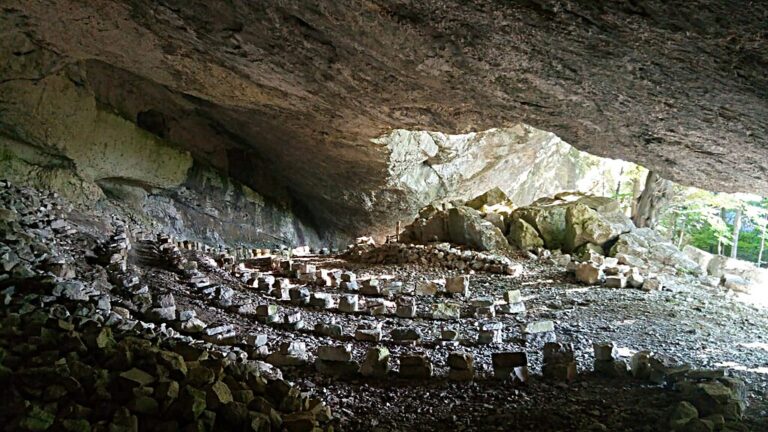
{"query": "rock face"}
pixel 288 99
pixel 74 146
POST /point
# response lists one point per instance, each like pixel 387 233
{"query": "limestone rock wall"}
pixel 526 163
pixel 56 134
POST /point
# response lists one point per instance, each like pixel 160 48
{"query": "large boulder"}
pixel 699 256
pixel 720 265
pixel 592 220
pixel 524 236
pixel 584 225
pixel 547 219
pixel 490 198
pixel 647 246
pixel 433 228
pixel 466 226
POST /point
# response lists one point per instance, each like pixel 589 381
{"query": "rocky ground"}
pixel 693 324
pixel 687 323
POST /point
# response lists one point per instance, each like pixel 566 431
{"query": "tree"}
pixel 736 232
pixel 652 200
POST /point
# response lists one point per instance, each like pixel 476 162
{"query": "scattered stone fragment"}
pixel 415 366
pixel 510 365
pixel 446 311
pixel 461 366
pixel 458 285
pixel 588 273
pixel 376 363
pixel 559 362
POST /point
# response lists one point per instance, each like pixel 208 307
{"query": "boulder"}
pixel 467 227
pixel 490 198
pixel 593 219
pixel 584 225
pixel 524 236
pixel 720 265
pixel 588 273
pixel 498 220
pixel 647 245
pixel 735 283
pixel 700 257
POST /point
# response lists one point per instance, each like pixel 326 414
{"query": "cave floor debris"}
pixel 697 325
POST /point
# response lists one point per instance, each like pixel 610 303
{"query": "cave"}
pixel 384 215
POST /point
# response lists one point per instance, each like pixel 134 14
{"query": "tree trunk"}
pixel 643 216
pixel 736 232
pixel 720 246
pixel 682 233
pixel 618 185
pixel 762 247
pixel 635 197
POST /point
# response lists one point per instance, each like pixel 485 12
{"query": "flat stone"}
pixel 458 285
pixel 405 334
pixel 265 310
pixel 615 282
pixel 427 288
pixel 512 308
pixel 461 361
pixel 321 300
pixel 406 311
pixel 348 303
pixel 368 335
pixel 371 287
pixel 509 359
pixel 605 351
pixel 256 340
pixel 161 314
pixel 138 377
pixel 449 335
pixel 331 330
pixel 611 368
pixel 446 311
pixel 339 369
pixel 334 353
pixel 538 327
pixel 513 296
pixel 415 367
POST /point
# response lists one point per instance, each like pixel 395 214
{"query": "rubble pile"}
pixel 78 351
pixel 438 255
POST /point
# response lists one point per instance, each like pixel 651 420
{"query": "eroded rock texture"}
pixel 286 97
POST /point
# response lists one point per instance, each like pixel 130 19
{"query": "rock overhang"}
pixel 286 98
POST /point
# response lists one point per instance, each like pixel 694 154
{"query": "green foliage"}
pixel 705 220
